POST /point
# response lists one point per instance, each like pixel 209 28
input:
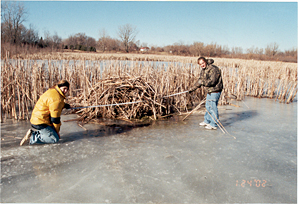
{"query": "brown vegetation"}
pixel 116 78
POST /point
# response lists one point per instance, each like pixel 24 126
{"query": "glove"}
pixel 57 128
pixel 67 106
pixel 198 84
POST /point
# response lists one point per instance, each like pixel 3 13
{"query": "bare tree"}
pixel 90 44
pixel 210 50
pixel 103 40
pixel 81 39
pixel 127 34
pixel 237 51
pixel 182 49
pixel 52 41
pixel 250 51
pixel 197 48
pixel 56 40
pixel 113 44
pixel 13 14
pixel 48 39
pixel 71 42
pixel 271 49
pixel 292 52
pixel 30 36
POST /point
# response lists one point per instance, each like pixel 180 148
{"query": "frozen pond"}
pixel 171 161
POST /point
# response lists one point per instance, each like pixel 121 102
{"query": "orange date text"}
pixel 251 183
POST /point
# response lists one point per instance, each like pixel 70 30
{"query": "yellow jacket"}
pixel 49 106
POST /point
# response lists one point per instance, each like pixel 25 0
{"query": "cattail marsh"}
pixel 117 78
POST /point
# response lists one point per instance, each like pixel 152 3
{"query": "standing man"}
pixel 211 79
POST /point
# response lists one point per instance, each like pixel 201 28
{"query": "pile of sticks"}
pixel 126 98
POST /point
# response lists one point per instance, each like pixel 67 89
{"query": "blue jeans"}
pixel 211 107
pixel 47 135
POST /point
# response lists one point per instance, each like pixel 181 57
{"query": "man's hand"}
pixel 67 106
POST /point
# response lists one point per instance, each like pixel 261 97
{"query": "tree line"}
pixel 16 38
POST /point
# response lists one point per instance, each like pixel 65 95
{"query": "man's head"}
pixel 202 62
pixel 64 86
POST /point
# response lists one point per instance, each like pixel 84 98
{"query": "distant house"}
pixel 144 49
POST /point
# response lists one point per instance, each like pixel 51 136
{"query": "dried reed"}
pixel 109 78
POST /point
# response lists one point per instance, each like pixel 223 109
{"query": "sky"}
pixel 160 23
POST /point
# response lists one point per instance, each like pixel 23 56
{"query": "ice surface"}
pixel 171 161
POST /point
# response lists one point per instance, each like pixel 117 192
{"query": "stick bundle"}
pixel 151 102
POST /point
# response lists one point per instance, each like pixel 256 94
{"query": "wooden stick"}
pixel 234 105
pixel 219 124
pixel 216 122
pixel 196 108
pixel 82 126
